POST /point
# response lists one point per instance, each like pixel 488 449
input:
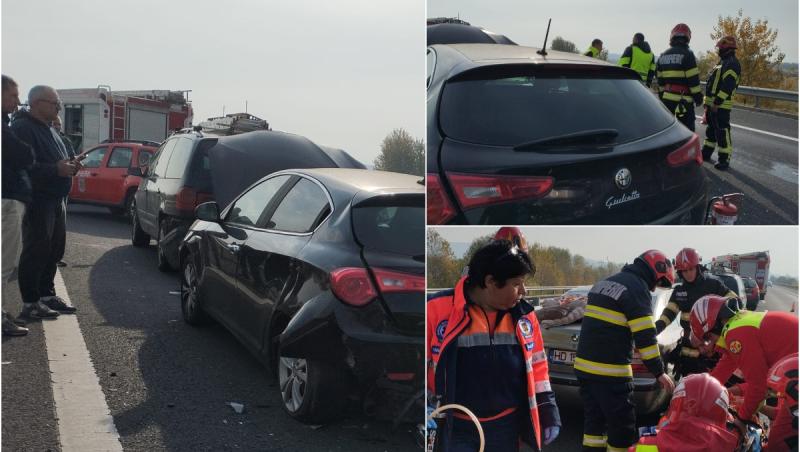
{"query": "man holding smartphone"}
pixel 44 226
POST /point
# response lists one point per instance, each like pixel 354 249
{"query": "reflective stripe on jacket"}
pixel 448 317
pixel 754 342
pixel 722 83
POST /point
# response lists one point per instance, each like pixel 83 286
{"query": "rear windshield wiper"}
pixel 584 137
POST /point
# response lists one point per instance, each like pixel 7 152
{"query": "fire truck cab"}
pixel 754 265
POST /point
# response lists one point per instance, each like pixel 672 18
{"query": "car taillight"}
pixel 440 209
pixel 474 191
pixel 353 286
pixel 392 281
pixel 187 198
pixel 687 153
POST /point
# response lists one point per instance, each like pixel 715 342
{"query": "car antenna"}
pixel 543 50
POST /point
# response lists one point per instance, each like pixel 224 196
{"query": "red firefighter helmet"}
pixel 661 266
pixel 727 42
pixel 705 314
pixel 513 235
pixel 681 30
pixel 782 377
pixel 686 259
pixel 700 395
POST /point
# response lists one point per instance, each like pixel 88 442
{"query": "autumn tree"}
pixel 401 153
pixel 443 268
pixel 758 55
pixel 562 45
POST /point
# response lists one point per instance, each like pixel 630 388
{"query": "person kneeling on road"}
pixel 485 352
pixel 749 341
pixel 618 313
pixel 696 420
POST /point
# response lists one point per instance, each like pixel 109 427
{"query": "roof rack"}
pixel 144 142
pixel 234 123
pixel 446 20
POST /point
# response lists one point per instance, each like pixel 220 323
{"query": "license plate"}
pixel 562 357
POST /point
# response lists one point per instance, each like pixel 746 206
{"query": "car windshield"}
pixel 394 229
pixel 730 282
pixel 749 283
pixel 512 107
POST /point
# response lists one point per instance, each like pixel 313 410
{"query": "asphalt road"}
pixel 167 384
pixel 779 298
pixel 764 167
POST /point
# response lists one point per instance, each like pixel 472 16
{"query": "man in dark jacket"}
pixel 720 88
pixel 17 158
pixel 618 314
pixel 44 227
pixel 678 77
pixel 639 57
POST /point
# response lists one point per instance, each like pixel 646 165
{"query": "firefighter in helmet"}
pixel 782 380
pixel 693 286
pixel 618 314
pixel 679 78
pixel 720 88
pixel 695 421
pixel 749 341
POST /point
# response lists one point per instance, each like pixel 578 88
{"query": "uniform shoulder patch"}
pixel 735 347
pixel 525 327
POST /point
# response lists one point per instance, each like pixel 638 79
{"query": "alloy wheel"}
pixel 293 378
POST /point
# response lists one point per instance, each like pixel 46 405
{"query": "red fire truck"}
pixel 754 265
pixel 94 115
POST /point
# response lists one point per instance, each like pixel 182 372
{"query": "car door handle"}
pixel 233 248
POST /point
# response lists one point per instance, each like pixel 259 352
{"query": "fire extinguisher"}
pixel 724 210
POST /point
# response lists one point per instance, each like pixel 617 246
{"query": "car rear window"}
pixel 508 107
pixel 180 157
pixel 391 228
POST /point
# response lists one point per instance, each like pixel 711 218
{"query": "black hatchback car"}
pixel 515 137
pixel 188 168
pixel 320 273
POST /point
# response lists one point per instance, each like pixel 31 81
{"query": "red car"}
pixel 105 179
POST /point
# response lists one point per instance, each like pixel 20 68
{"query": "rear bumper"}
pixel 648 394
pixel 360 338
pixel 691 212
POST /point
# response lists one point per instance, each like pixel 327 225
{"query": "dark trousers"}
pixel 718 134
pixel 683 111
pixel 501 435
pixel 44 235
pixel 608 415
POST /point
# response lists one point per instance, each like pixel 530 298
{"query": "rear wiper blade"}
pixel 584 137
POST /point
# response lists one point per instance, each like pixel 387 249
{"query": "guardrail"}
pixel 767 93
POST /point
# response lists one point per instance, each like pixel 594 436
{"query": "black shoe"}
pixel 37 310
pixel 722 165
pixel 12 329
pixel 57 303
pixel 18 321
pixel 61 264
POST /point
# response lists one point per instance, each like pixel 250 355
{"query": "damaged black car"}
pixel 321 274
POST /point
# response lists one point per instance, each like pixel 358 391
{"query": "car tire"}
pixel 163 262
pixel 139 238
pixel 312 391
pixel 193 313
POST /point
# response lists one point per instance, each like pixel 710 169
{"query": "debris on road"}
pixel 237 407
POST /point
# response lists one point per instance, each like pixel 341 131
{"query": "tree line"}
pixel 554 266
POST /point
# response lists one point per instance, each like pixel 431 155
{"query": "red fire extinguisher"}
pixel 724 210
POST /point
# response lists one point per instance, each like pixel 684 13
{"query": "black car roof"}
pixel 445 33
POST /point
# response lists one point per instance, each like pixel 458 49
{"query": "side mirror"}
pixel 208 211
pixel 135 171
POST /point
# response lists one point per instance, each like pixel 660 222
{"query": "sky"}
pixel 623 244
pixel 343 73
pixel 615 21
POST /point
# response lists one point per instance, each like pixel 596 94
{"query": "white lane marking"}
pixel 759 131
pixel 84 420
